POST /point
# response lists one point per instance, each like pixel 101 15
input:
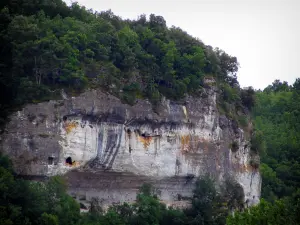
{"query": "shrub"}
pixel 242 120
pixel 258 145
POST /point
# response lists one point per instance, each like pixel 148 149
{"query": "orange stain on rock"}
pixel 242 168
pixel 145 140
pixel 185 143
pixel 74 164
pixel 69 126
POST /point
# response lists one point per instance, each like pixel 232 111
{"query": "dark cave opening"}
pixel 69 161
pixel 82 206
pixel 50 160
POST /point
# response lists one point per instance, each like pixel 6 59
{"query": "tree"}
pixel 48 219
pixel 276 114
pixel 264 213
pixel 248 97
pixel 296 85
pixel 206 203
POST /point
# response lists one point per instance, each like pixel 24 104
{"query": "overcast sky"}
pixel 263 34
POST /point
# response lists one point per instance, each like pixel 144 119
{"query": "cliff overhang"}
pixel 106 148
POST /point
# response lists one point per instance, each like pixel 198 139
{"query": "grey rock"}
pixel 112 148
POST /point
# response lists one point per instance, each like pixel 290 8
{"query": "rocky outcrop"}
pixel 108 149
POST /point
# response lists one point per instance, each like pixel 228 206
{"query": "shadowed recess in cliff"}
pixel 115 115
pixel 154 125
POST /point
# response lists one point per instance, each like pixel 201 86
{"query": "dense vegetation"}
pixel 277 117
pixel 280 212
pixel 46 203
pixel 46 46
pixel 277 122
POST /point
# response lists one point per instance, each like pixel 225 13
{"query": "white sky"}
pixel 263 34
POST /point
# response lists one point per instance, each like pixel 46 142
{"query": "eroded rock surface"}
pixel 108 149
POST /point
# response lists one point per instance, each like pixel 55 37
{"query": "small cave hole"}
pixel 189 177
pixel 234 146
pixel 31 117
pixel 128 131
pixel 50 160
pixel 65 118
pixel 69 161
pixel 179 197
pixel 82 206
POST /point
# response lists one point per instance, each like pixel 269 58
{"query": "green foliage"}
pixel 48 219
pixel 206 204
pixel 277 86
pixel 248 97
pixel 233 194
pixel 131 92
pixel 5 163
pixel 257 143
pixel 271 183
pixel 25 202
pixel 276 119
pixel 279 212
pixel 30 202
pixel 296 85
pixel 243 121
pixel 47 46
pixel 235 102
pixel 229 94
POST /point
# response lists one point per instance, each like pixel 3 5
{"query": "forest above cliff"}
pixel 47 46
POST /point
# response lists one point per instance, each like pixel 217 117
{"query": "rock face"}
pixel 108 149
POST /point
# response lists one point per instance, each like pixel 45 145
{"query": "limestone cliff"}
pixel 108 149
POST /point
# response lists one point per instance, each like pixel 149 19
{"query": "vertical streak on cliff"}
pixel 109 142
pixel 100 143
pixel 252 174
pixel 116 150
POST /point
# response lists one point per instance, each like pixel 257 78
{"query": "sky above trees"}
pixel 261 34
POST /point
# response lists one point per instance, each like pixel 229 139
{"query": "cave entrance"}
pixel 69 161
pixel 50 160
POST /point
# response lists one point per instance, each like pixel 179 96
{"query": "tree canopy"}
pixel 32 202
pixel 277 123
pixel 46 45
pixel 276 115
